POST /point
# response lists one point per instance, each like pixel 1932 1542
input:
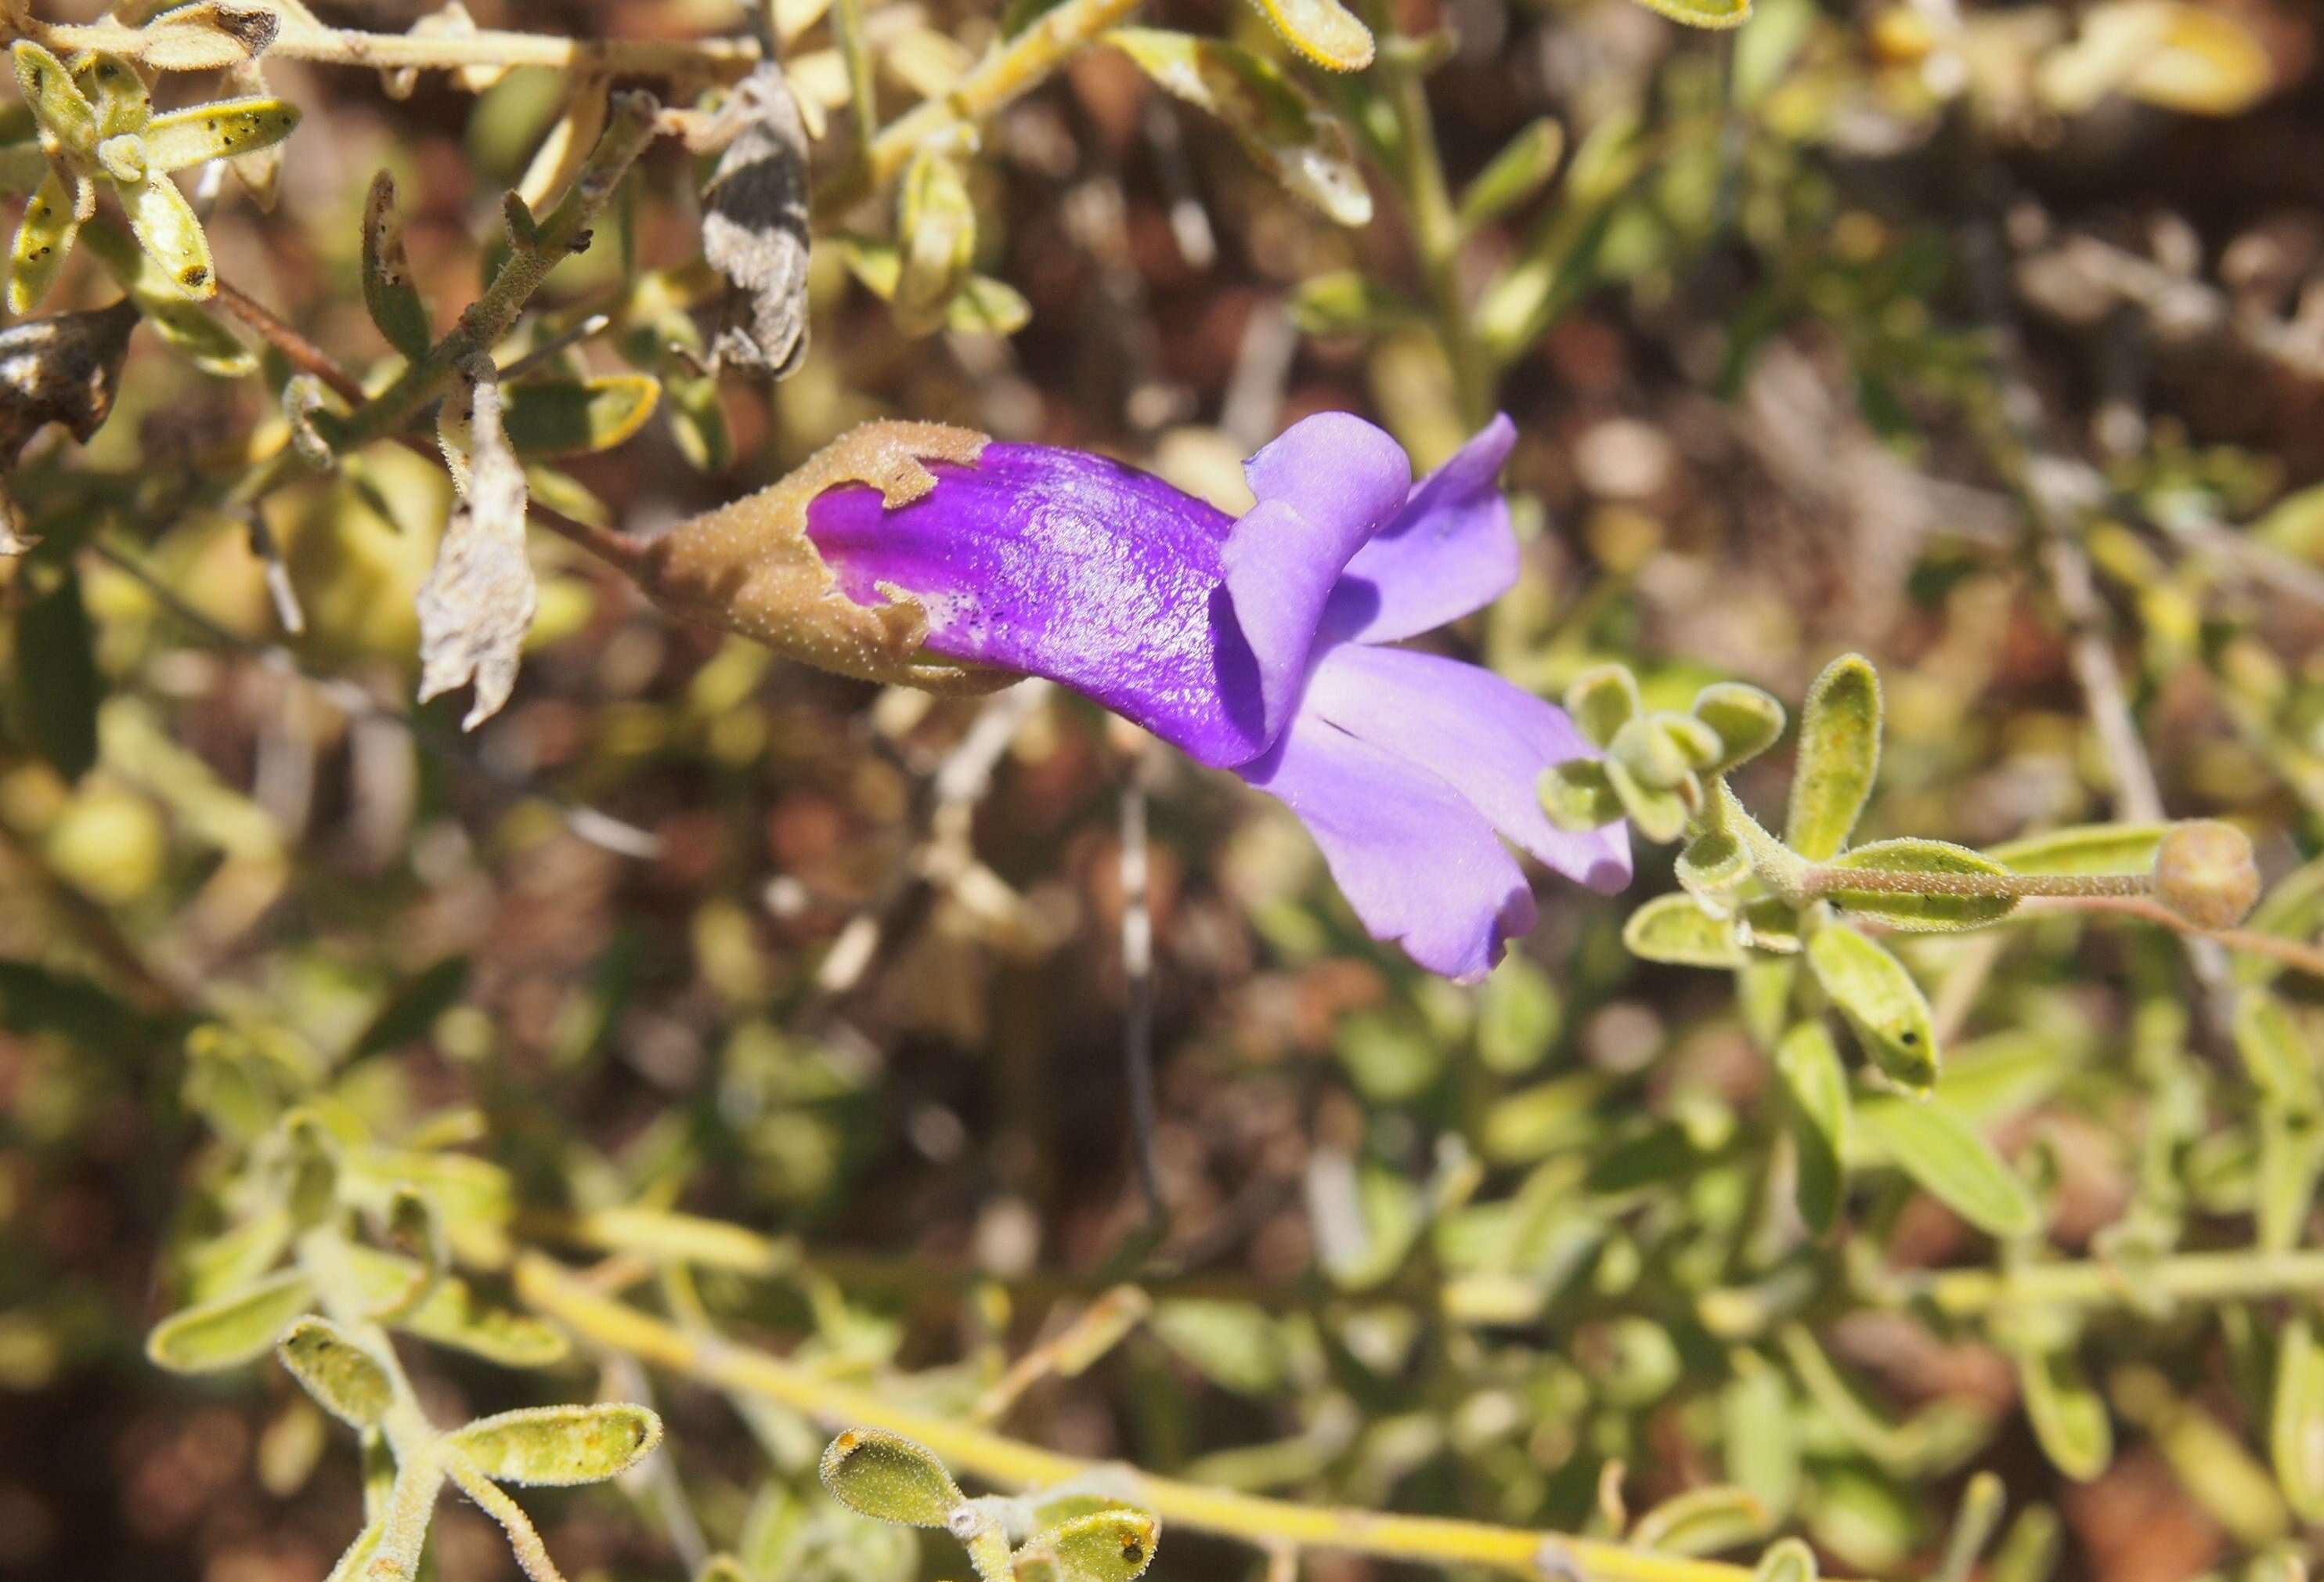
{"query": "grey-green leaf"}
pixel 231 1329
pixel 1673 928
pixel 2085 848
pixel 392 300
pixel 1818 1110
pixel 2069 1419
pixel 1948 905
pixel 558 1446
pixel 343 1379
pixel 889 1477
pixel 1945 1155
pixel 1747 720
pixel 1839 756
pixel 1603 700
pixel 1883 1006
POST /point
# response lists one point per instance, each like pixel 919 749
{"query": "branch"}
pixel 1267 1524
pixel 681 59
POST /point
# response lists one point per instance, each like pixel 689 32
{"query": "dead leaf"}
pixel 754 227
pixel 478 601
pixel 60 369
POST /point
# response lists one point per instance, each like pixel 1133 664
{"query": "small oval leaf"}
pixel 1673 928
pixel 231 1329
pixel 1325 31
pixel 1104 1546
pixel 559 1445
pixel 1839 755
pixel 1818 1088
pixel 1883 1006
pixel 1942 1153
pixel 166 227
pixel 887 1477
pixel 1295 139
pixel 343 1378
pixel 550 418
pixel 1747 720
pixel 2070 1420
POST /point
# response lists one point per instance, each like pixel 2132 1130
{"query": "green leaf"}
pixel 1789 1560
pixel 559 1445
pixel 1760 1433
pixel 1347 301
pixel 221 129
pixel 1747 720
pixel 1287 133
pixel 1819 1116
pixel 166 227
pixel 1660 815
pixel 887 1477
pixel 936 229
pixel 697 421
pixel 1883 1006
pixel 982 305
pixel 2274 1051
pixel 57 686
pixel 62 112
pixel 184 323
pixel 1522 167
pixel 1104 1546
pixel 1714 867
pixel 1839 755
pixel 1323 31
pixel 229 1330
pixel 1519 1013
pixel 576 417
pixel 1603 700
pixel 44 240
pixel 1673 928
pixel 1702 1522
pixel 343 1379
pixel 1935 911
pixel 1578 796
pixel 2085 848
pixel 1710 14
pixel 1237 1345
pixel 1945 1156
pixel 2296 1422
pixel 453 1315
pixel 112 86
pixel 2070 1420
pixel 2291 1155
pixel 392 300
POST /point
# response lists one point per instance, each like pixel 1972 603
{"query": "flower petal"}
pixel 1415 860
pixel 1487 737
pixel 1324 486
pixel 1449 551
pixel 1070 565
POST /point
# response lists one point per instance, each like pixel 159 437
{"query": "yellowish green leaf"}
pixel 59 109
pixel 343 1379
pixel 1603 700
pixel 188 327
pixel 1673 928
pixel 44 240
pixel 1883 1006
pixel 1702 1522
pixel 1522 167
pixel 221 129
pixel 1578 796
pixel 393 301
pixel 1839 755
pixel 1325 31
pixel 576 417
pixel 1948 905
pixel 1712 13
pixel 2069 1419
pixel 2296 1423
pixel 1945 1156
pixel 559 1445
pixel 1819 1114
pixel 166 228
pixel 887 1477
pixel 2085 848
pixel 232 1329
pixel 1747 720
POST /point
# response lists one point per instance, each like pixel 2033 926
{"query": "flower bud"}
pixel 2204 872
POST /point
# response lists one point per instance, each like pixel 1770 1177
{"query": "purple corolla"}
pixel 1259 644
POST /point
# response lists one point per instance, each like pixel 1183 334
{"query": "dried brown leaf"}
pixel 63 368
pixel 478 601
pixel 755 228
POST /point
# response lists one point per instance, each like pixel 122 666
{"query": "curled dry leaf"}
pixel 60 369
pixel 209 35
pixel 754 227
pixel 478 601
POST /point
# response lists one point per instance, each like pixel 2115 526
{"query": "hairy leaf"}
pixel 343 1379
pixel 1936 910
pixel 1839 755
pixel 1944 1154
pixel 559 1445
pixel 394 301
pixel 1673 928
pixel 232 1329
pixel 1819 1113
pixel 1883 1006
pixel 888 1476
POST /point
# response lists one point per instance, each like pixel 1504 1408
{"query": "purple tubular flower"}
pixel 1257 644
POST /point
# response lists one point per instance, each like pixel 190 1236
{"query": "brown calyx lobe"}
pixel 750 568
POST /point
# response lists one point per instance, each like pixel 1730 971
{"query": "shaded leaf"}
pixel 56 680
pixel 231 1329
pixel 1839 755
pixel 2296 1420
pixel 1660 813
pixel 1577 796
pixel 1347 301
pixel 1819 1114
pixel 984 305
pixel 1302 145
pixel 478 600
pixel 565 148
pixel 59 109
pixel 887 1477
pixel 559 1445
pixel 1944 1155
pixel 452 1313
pixel 2069 1419
pixel 343 1379
pixel 1522 167
pixel 1603 700
pixel 2085 848
pixel 576 417
pixel 1883 1006
pixel 1788 1559
pixel 191 329
pixel 1702 1522
pixel 1673 928
pixel 60 369
pixel 394 301
pixel 936 228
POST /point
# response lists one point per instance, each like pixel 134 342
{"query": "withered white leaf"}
pixel 478 601
pixel 62 368
pixel 754 212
